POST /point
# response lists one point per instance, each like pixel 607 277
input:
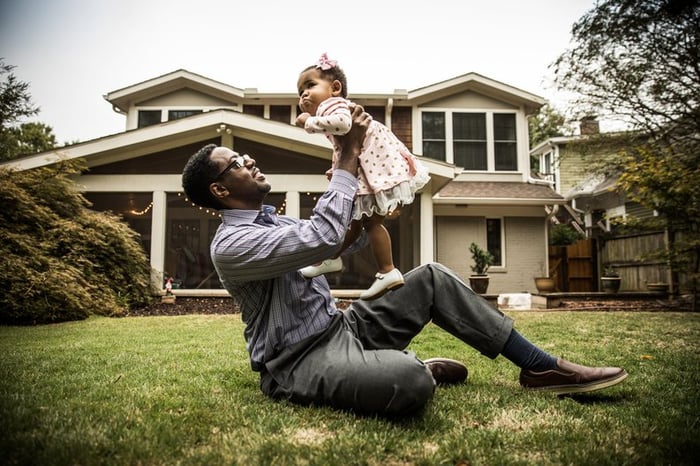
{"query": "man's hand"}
pixel 351 143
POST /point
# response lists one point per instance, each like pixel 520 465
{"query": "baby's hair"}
pixel 331 75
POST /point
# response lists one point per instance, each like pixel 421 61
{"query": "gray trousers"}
pixel 359 363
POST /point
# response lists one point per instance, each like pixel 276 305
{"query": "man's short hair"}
pixel 199 172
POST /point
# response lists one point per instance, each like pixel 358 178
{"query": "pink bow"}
pixel 325 64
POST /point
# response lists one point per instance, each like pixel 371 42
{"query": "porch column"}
pixel 158 219
pixel 293 208
pixel 427 233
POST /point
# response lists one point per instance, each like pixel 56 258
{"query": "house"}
pixel 594 205
pixel 470 131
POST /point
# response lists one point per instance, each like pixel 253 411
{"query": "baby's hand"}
pixel 329 174
pixel 301 119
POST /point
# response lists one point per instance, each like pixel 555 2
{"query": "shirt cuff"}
pixel 344 182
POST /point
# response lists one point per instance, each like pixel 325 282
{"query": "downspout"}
pixel 389 108
pixel 547 219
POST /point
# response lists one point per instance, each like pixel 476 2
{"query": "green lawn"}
pixel 178 390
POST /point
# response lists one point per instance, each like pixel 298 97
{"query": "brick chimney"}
pixel 589 125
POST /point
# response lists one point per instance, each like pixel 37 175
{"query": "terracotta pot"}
pixel 663 287
pixel 544 284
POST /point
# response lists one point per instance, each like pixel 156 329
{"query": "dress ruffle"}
pixel 384 202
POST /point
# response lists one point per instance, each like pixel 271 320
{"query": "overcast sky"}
pixel 72 52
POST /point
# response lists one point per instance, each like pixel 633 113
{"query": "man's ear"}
pixel 336 88
pixel 218 190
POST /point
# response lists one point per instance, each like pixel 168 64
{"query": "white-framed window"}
pixel 495 241
pixel 475 140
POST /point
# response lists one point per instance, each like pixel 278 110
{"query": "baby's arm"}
pixel 333 118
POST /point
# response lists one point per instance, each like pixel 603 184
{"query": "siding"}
pixel 524 243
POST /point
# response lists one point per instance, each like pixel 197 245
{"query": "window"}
pixel 505 141
pixel 177 114
pixel 434 135
pixel 478 141
pixel 494 240
pixel 148 118
pixel 469 140
pixel 281 113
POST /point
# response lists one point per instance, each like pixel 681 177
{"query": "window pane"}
pixel 469 126
pixel 281 113
pixel 148 118
pixel 506 156
pixel 504 127
pixel 177 114
pixel 433 125
pixel 470 155
pixel 493 240
pixel 434 150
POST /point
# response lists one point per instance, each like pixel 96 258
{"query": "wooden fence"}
pixel 578 267
pixel 633 258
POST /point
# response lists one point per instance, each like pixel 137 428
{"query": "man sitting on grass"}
pixel 309 352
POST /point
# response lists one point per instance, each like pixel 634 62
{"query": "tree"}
pixel 61 261
pixel 546 124
pixel 15 104
pixel 27 138
pixel 637 61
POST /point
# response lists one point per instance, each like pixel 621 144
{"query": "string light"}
pixel 141 212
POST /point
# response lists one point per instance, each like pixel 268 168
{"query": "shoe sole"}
pixel 571 389
pixel 392 287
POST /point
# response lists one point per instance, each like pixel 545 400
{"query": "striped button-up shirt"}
pixel 258 263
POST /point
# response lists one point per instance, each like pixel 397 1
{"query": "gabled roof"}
pixel 481 84
pixel 122 99
pixel 493 192
pixel 138 142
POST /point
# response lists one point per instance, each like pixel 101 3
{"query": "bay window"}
pixel 479 141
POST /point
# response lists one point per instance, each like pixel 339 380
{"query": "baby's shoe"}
pixel 327 266
pixel 383 282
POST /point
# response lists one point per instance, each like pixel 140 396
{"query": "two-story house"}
pixel 470 131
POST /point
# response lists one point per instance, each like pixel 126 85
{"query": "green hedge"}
pixel 62 261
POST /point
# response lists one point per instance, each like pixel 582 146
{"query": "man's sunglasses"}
pixel 238 162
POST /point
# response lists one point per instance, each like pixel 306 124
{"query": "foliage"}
pixel 27 138
pixel 563 234
pixel 15 104
pixel 610 272
pixel 482 259
pixel 61 260
pixel 638 61
pixel 546 124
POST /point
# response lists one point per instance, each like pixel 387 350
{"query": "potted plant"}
pixel 544 283
pixel 610 281
pixel 479 280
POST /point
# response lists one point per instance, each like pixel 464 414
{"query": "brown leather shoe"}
pixel 447 371
pixel 572 378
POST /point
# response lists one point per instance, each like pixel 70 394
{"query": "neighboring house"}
pixel 471 132
pixel 592 199
pixel 593 204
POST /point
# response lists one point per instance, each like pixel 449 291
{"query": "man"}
pixel 305 349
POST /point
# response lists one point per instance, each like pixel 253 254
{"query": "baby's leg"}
pixel 380 241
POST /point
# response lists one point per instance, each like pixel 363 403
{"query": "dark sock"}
pixel 525 355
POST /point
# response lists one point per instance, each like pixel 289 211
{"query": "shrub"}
pixel 61 260
pixel 563 234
